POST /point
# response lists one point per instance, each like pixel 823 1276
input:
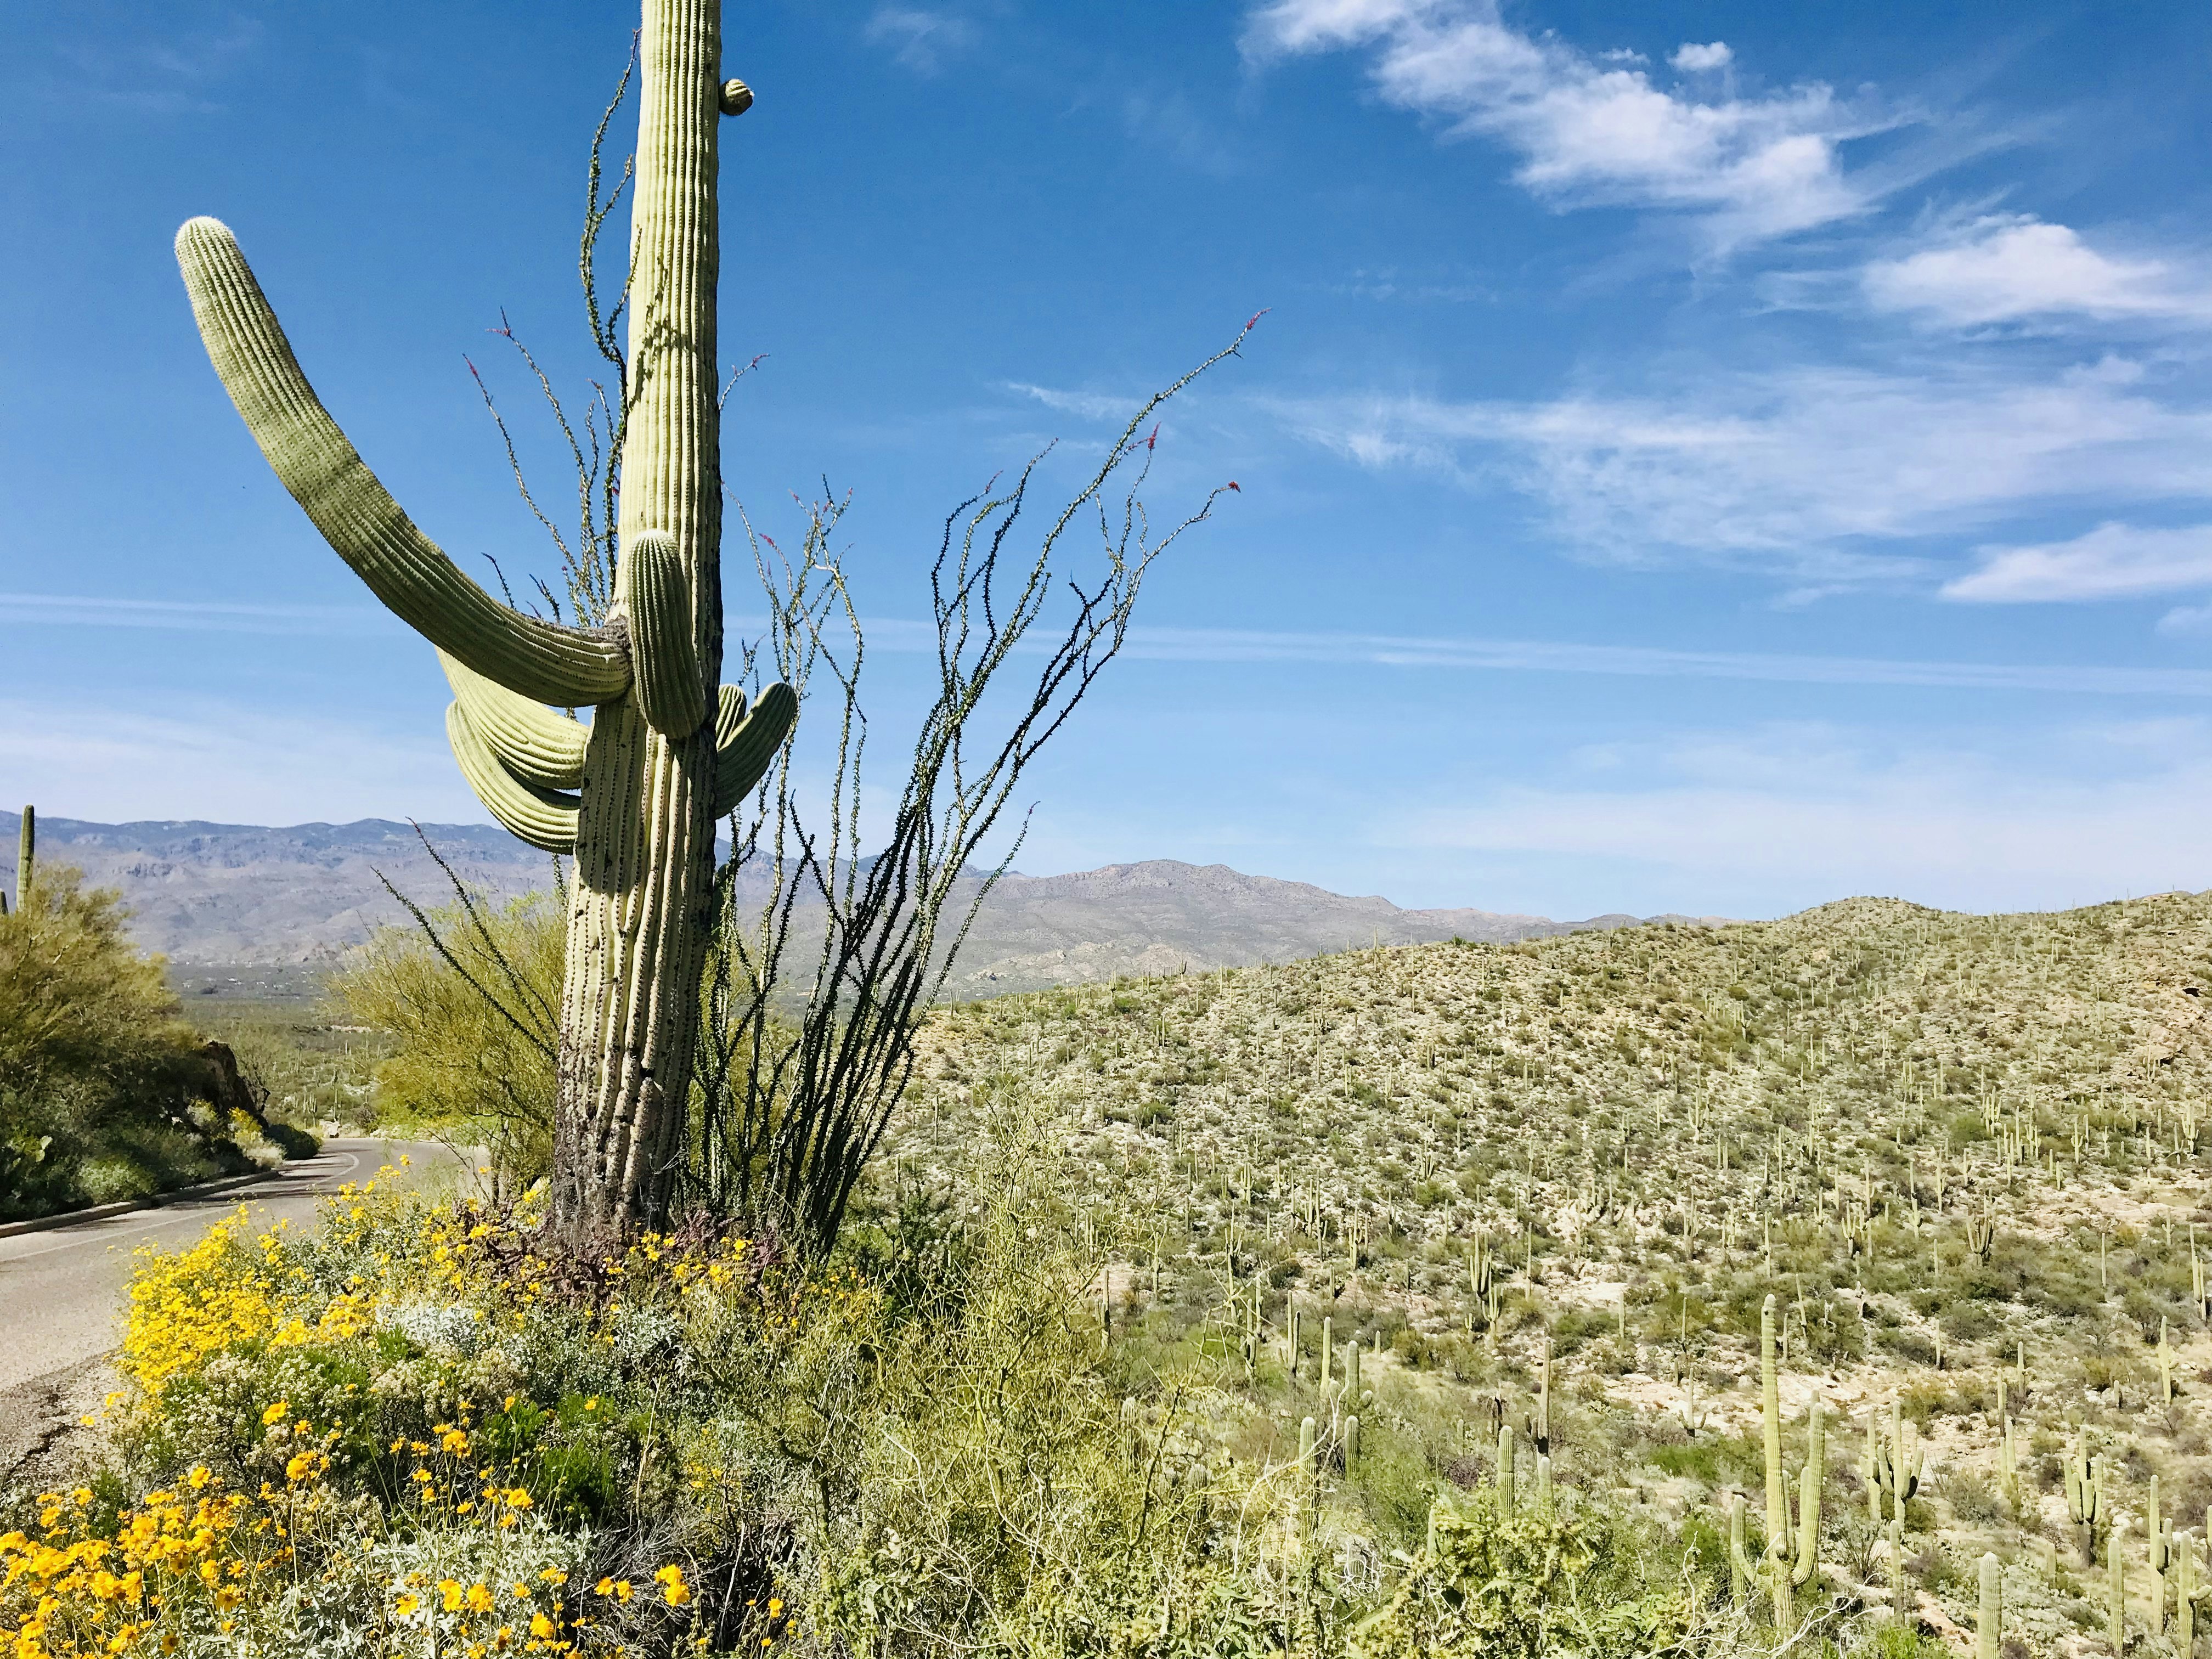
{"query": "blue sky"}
pixel 1714 458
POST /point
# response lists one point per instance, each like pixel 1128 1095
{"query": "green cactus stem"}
pixel 1988 1627
pixel 745 742
pixel 2116 1588
pixel 1351 1443
pixel 546 818
pixel 1891 1468
pixel 2158 1548
pixel 1740 1571
pixel 2184 1594
pixel 26 854
pixel 1505 1466
pixel 1782 1570
pixel 1539 1421
pixel 653 590
pixel 534 745
pixel 666 754
pixel 357 517
pixel 2085 1497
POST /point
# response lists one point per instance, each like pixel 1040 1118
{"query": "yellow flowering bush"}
pixel 406 1426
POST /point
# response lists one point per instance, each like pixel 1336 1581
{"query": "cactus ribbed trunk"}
pixel 640 904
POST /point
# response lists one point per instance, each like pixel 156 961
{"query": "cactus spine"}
pixel 1987 1628
pixel 636 797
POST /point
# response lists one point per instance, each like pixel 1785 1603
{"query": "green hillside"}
pixel 1947 1144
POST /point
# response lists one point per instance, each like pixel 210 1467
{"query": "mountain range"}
pixel 230 895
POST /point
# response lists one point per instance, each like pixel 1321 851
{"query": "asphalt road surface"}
pixel 63 1291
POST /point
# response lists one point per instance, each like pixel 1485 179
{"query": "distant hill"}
pixel 240 895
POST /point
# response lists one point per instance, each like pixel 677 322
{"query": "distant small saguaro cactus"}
pixel 26 849
pixel 635 795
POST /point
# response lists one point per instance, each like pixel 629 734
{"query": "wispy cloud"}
pixel 194 616
pixel 225 761
pixel 1599 130
pixel 1544 656
pixel 1783 816
pixel 919 39
pixel 1083 405
pixel 1233 644
pixel 2009 268
pixel 1819 473
pixel 2113 561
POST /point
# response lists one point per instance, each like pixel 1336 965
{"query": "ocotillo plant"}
pixel 635 796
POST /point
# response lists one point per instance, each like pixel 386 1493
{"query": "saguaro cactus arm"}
pixel 746 742
pixel 545 818
pixel 671 693
pixel 536 746
pixel 356 515
pixel 1814 1477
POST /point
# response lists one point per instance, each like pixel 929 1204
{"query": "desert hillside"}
pixel 1962 1152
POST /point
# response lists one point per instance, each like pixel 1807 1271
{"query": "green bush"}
pixel 105 1092
pixel 1495 1582
pixel 471 1024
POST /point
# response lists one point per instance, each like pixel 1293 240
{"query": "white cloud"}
pixel 1816 470
pixel 1691 59
pixel 1784 817
pixel 918 38
pixel 193 616
pixel 2113 561
pixel 1237 644
pixel 2005 268
pixel 225 763
pixel 1590 132
pixel 1085 406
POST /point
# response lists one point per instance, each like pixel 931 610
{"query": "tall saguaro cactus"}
pixel 634 795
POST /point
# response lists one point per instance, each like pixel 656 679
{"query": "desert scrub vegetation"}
pixel 106 1092
pixel 416 1428
pixel 1553 1184
pixel 1408 1301
pixel 462 1008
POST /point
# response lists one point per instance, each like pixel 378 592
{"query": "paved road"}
pixel 62 1291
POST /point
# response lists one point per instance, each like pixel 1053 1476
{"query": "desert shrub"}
pixel 470 1003
pixel 103 1091
pixel 1517 1583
